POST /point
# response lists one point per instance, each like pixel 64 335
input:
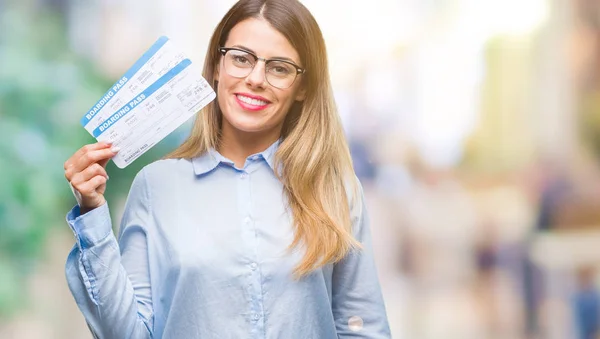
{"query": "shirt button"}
pixel 253 266
pixel 244 175
pixel 256 316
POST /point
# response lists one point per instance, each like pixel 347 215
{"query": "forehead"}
pixel 259 36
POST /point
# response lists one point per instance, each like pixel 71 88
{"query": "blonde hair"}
pixel 313 161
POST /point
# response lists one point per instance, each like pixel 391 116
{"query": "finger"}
pixel 91 157
pixel 104 162
pixel 88 173
pixel 89 187
pixel 91 147
pixel 85 161
pixel 87 148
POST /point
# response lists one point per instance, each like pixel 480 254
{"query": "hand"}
pixel 86 172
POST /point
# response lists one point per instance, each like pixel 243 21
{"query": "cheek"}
pixel 288 100
pixel 221 83
pixel 223 89
pixel 285 107
pixel 224 105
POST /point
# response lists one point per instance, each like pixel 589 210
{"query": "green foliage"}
pixel 42 88
pixel 44 91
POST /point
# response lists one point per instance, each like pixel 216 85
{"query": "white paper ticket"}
pixel 161 91
pixel 155 112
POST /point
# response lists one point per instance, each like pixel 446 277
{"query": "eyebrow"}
pixel 274 58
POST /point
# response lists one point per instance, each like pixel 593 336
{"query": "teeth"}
pixel 251 101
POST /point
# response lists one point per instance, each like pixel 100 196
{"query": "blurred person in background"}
pixel 586 305
pixel 554 188
pixel 256 225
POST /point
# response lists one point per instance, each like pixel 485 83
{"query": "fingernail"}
pixel 115 149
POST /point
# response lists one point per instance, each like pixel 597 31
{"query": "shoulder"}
pixel 355 196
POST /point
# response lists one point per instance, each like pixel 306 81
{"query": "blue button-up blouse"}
pixel 202 253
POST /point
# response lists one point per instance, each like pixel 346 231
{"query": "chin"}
pixel 249 126
pixel 250 122
pixel 248 129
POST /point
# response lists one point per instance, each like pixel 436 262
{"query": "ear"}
pixel 301 94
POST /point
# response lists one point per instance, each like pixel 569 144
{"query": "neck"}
pixel 237 145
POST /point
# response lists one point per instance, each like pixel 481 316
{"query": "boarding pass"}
pixel 161 91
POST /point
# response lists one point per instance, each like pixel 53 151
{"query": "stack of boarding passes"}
pixel 160 92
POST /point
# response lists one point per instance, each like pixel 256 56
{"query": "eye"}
pixel 241 59
pixel 281 69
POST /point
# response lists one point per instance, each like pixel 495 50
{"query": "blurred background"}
pixel 474 127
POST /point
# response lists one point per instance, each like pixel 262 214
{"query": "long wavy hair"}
pixel 313 160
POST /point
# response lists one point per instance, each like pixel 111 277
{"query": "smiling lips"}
pixel 251 102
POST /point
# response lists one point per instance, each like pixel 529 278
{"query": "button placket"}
pixel 254 276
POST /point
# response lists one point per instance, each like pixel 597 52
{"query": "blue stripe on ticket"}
pixel 126 77
pixel 141 97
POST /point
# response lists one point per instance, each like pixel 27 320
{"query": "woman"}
pixel 255 227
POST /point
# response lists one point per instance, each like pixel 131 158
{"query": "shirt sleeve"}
pixel 110 279
pixel 357 302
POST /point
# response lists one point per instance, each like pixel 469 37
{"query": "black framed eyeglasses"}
pixel 279 73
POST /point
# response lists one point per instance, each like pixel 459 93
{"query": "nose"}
pixel 257 78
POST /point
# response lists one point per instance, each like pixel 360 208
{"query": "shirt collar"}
pixel 269 153
pixel 210 160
